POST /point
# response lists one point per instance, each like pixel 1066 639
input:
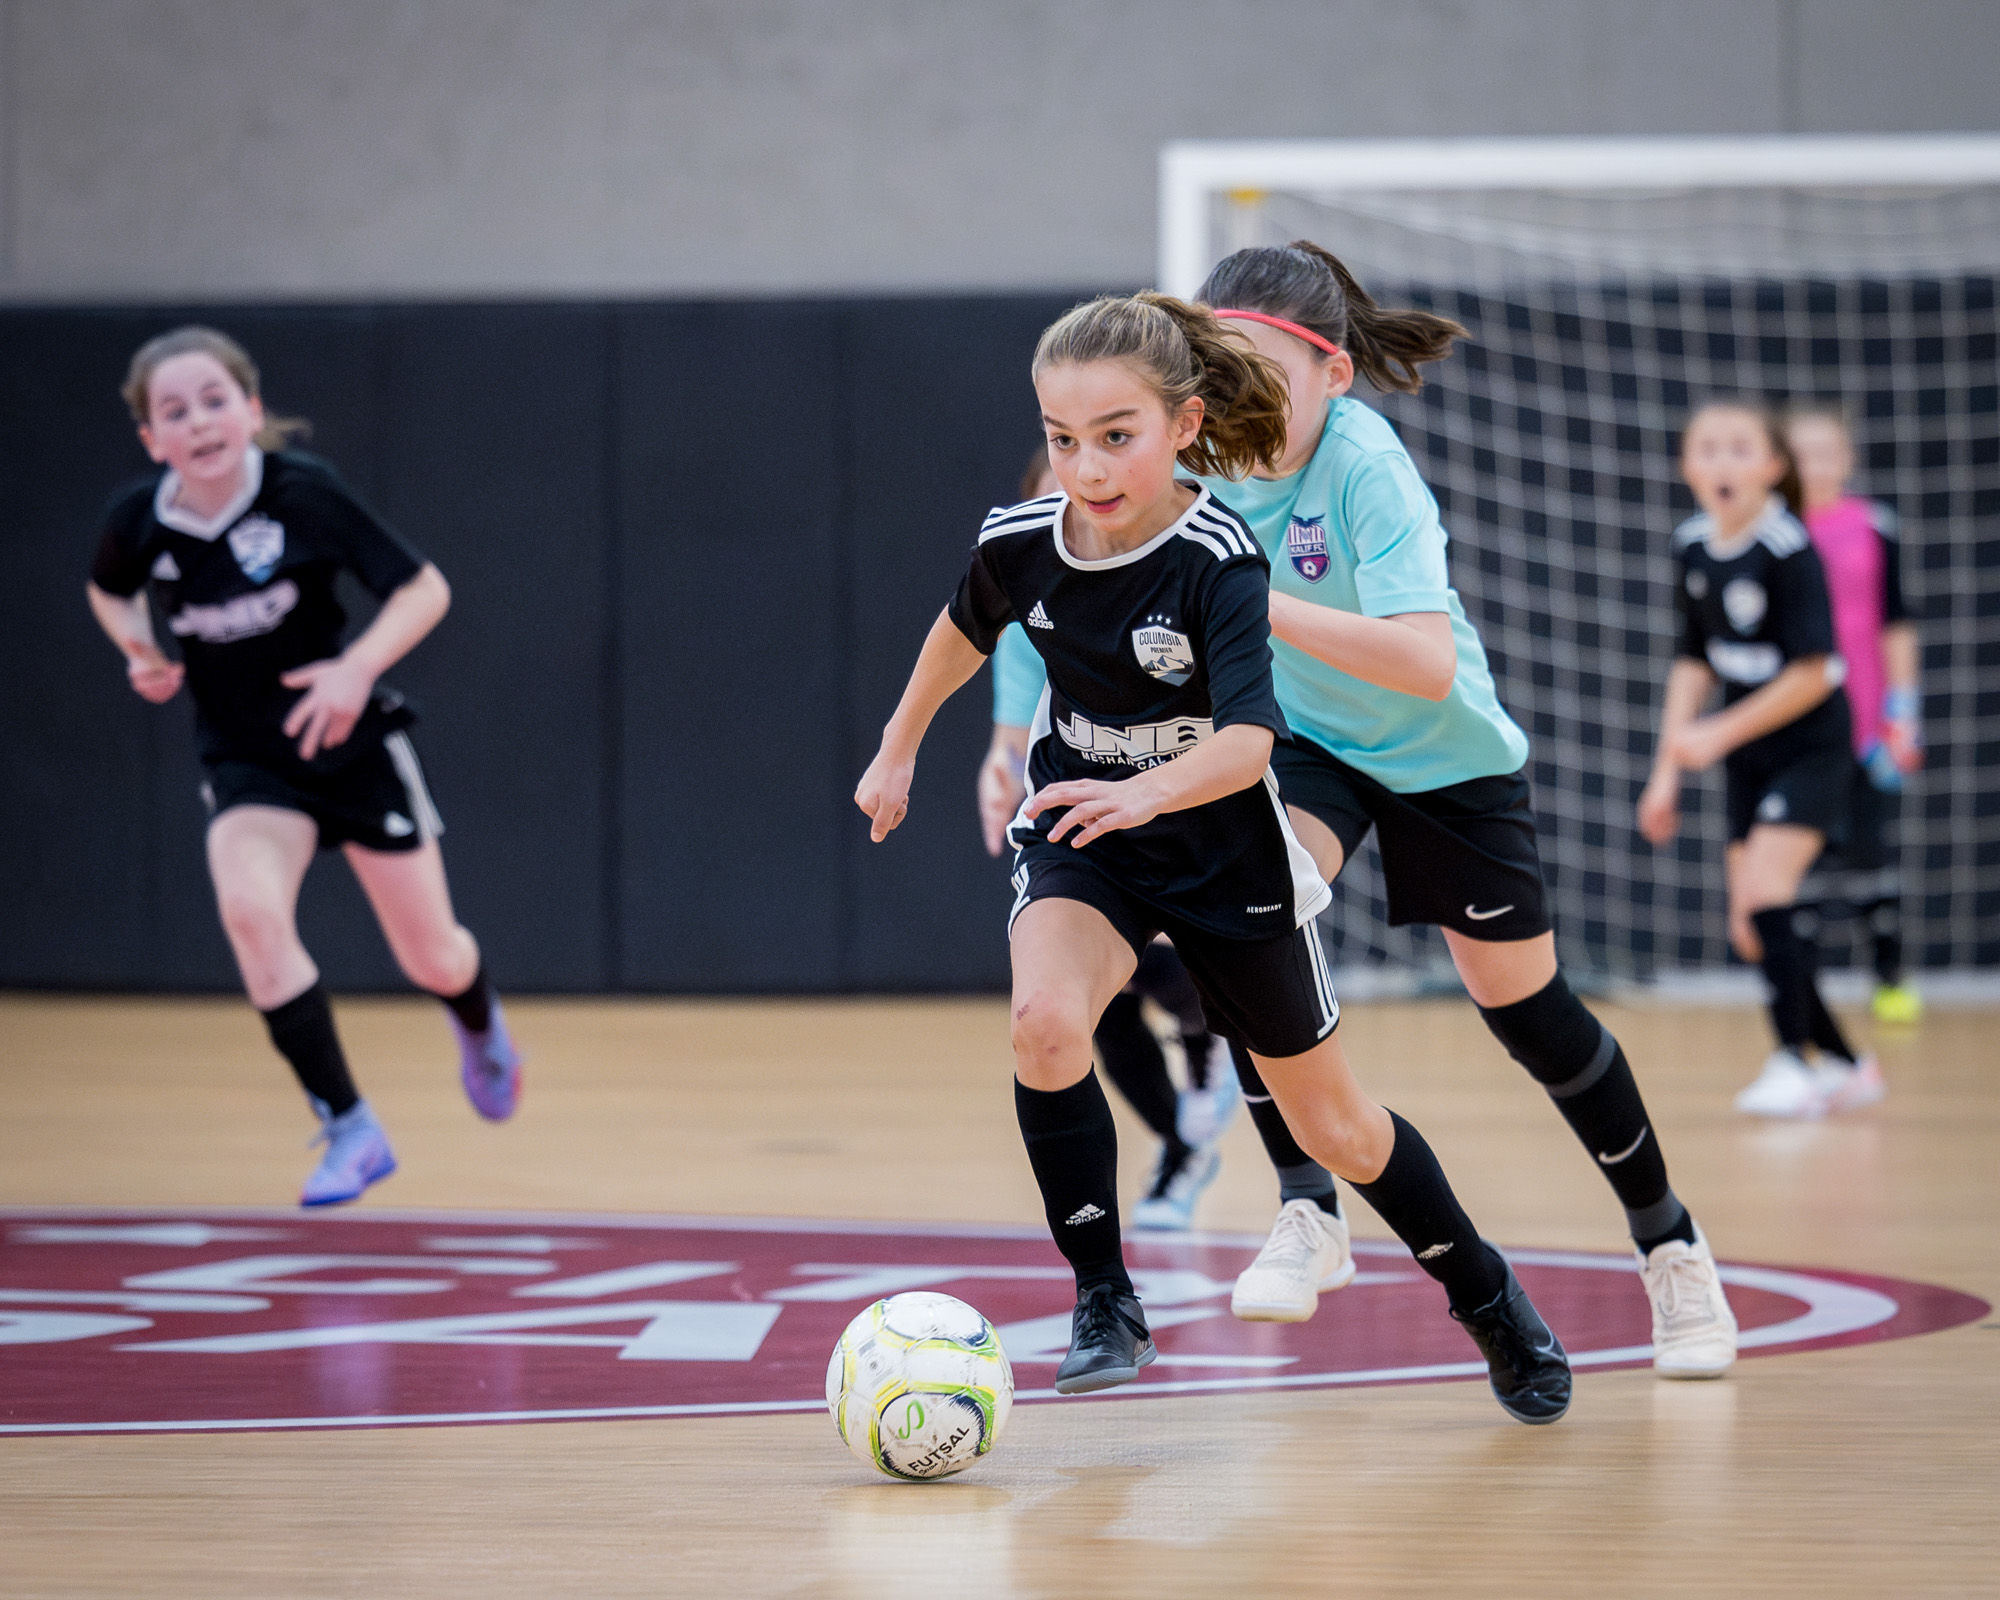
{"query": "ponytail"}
pixel 1311 286
pixel 1188 355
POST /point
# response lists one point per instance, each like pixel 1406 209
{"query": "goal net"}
pixel 1607 286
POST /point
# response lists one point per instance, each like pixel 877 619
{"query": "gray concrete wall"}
pixel 468 147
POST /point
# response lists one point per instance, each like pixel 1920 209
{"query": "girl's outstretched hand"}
pixel 884 793
pixel 154 676
pixel 1096 807
pixel 1660 810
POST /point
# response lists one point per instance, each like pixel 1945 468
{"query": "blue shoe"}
pixel 1202 1116
pixel 489 1067
pixel 1169 1203
pixel 357 1154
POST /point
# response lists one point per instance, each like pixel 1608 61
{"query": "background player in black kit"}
pixel 302 746
pixel 1152 810
pixel 1755 618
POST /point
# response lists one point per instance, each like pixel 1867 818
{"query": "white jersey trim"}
pixel 1775 528
pixel 208 529
pixel 1178 528
pixel 1028 514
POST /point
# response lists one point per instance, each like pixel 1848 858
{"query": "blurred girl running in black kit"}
pixel 236 544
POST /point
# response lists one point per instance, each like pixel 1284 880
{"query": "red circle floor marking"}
pixel 130 1322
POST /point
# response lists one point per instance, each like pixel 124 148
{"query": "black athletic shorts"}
pixel 377 799
pixel 1813 790
pixel 1274 995
pixel 1462 857
pixel 1871 813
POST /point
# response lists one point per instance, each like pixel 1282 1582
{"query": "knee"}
pixel 1051 1038
pixel 254 924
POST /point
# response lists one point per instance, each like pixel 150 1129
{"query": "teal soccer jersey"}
pixel 1018 678
pixel 1357 529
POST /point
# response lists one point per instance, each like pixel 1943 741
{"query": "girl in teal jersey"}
pixel 1395 726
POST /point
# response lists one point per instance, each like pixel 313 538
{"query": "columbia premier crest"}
pixel 1164 653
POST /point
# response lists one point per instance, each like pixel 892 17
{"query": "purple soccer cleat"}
pixel 357 1154
pixel 489 1067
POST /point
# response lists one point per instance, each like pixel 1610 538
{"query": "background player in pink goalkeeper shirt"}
pixel 1856 542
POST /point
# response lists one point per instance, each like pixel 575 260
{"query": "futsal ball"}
pixel 919 1386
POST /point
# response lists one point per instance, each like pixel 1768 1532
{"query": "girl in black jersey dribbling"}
pixel 236 545
pixel 1151 809
pixel 1755 618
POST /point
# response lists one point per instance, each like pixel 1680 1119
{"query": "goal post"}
pixel 1607 286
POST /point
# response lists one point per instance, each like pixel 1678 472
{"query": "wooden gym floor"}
pixel 1867 1470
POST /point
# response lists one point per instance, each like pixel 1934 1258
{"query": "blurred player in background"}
pixel 1857 545
pixel 1189 1123
pixel 236 544
pixel 1755 618
pixel 1154 811
pixel 1395 726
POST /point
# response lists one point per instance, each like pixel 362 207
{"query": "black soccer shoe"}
pixel 1525 1360
pixel 1108 1341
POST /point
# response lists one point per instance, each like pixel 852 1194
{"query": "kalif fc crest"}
pixel 1305 543
pixel 257 543
pixel 1165 654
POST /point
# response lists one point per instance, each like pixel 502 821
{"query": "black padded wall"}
pixel 693 550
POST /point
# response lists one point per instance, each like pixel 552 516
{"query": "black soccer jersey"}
pixel 249 595
pixel 1751 612
pixel 1148 653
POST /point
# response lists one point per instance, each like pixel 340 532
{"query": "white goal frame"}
pixel 1194 171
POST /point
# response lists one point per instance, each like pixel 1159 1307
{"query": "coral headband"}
pixel 1284 327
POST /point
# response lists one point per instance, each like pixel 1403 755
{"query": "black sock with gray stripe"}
pixel 1414 1197
pixel 1576 1060
pixel 1073 1147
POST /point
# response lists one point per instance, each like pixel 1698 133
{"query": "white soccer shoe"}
pixel 1845 1088
pixel 1694 1331
pixel 1306 1253
pixel 1787 1087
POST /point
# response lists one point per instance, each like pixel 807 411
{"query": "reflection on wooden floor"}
pixel 1868 1470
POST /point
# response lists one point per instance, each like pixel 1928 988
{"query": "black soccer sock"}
pixel 1788 970
pixel 1299 1176
pixel 1826 1035
pixel 1133 1061
pixel 1583 1069
pixel 474 1008
pixel 1885 935
pixel 1073 1147
pixel 302 1029
pixel 1413 1196
pixel 1164 978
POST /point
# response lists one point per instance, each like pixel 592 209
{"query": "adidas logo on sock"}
pixel 1038 618
pixel 1434 1252
pixel 1092 1213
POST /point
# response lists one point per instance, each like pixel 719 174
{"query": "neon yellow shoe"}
pixel 1897 1003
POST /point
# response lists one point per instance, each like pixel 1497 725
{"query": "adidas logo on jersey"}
pixel 1038 618
pixel 166 569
